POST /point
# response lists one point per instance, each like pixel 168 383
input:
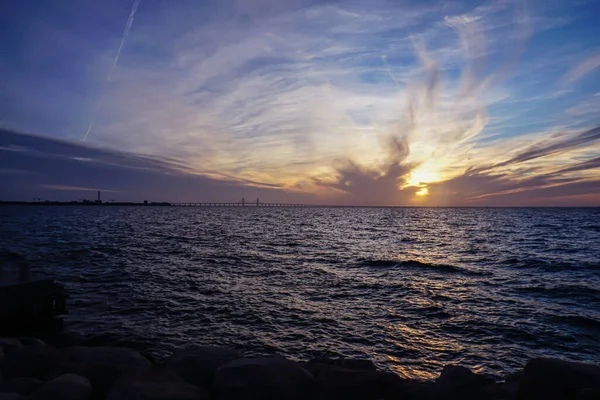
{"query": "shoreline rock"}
pixel 33 370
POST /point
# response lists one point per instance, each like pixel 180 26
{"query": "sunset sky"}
pixel 327 102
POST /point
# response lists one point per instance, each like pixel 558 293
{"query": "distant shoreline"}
pixel 261 205
pixel 79 203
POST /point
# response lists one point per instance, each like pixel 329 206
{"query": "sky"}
pixel 377 103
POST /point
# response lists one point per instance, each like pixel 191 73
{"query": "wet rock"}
pixel 155 384
pixel 337 383
pixel 11 396
pixel 346 363
pixel 23 385
pixel 553 379
pixel 27 341
pixel 9 344
pixel 104 365
pixel 456 382
pixel 65 387
pixel 588 394
pixel 501 391
pixel 262 378
pixel 411 390
pixel 197 365
pixel 36 360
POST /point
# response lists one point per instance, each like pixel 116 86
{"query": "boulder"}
pixel 501 391
pixel 456 382
pixel 9 344
pixel 554 379
pixel 197 365
pixel 155 384
pixel 23 385
pixel 11 396
pixel 103 365
pixel 337 383
pixel 272 378
pixel 65 387
pixel 36 360
pixel 346 363
pixel 27 341
pixel 411 390
pixel 588 394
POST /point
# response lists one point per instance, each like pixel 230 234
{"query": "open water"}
pixel 411 288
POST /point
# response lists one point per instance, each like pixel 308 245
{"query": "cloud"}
pixel 563 144
pixel 583 68
pixel 76 188
pixel 57 170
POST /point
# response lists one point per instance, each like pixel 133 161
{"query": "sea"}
pixel 412 289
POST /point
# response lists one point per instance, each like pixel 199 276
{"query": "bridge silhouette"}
pixel 243 203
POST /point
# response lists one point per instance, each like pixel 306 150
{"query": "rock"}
pixel 554 379
pixel 11 396
pixel 23 385
pixel 197 365
pixel 27 341
pixel 346 363
pixel 104 365
pixel 337 383
pixel 9 344
pixel 65 387
pixel 411 390
pixel 588 394
pixel 155 384
pixel 271 378
pixel 456 382
pixel 501 391
pixel 36 360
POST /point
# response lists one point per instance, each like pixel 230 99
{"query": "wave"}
pixel 413 264
pixel 549 266
pixel 578 321
pixel 595 228
pixel 562 291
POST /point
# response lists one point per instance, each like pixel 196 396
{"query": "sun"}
pixel 424 191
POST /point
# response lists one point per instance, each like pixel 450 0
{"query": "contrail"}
pixel 134 8
pixel 389 71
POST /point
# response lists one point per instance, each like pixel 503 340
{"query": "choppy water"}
pixel 411 288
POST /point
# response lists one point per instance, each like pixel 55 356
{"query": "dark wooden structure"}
pixel 28 303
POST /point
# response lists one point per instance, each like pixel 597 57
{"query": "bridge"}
pixel 242 203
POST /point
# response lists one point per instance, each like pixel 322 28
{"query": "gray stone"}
pixel 65 387
pixel 501 391
pixel 346 363
pixel 588 394
pixel 197 365
pixel 155 384
pixel 411 390
pixel 23 385
pixel 9 344
pixel 337 383
pixel 103 365
pixel 36 360
pixel 271 378
pixel 456 382
pixel 554 379
pixel 27 341
pixel 11 396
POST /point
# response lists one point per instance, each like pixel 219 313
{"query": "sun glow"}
pixel 424 191
pixel 421 175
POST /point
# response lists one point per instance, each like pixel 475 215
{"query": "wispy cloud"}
pixel 75 188
pixel 583 68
